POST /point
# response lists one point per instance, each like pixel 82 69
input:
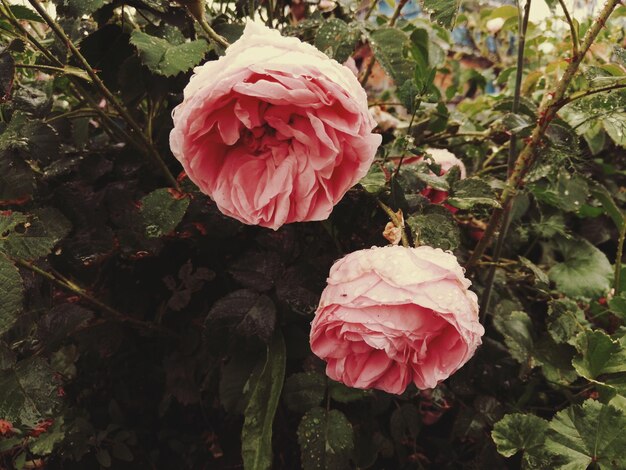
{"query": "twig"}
pixel 396 221
pixel 397 11
pixel 72 287
pixel 547 112
pixel 572 28
pixel 618 258
pixel 592 91
pixel 106 93
pixel 370 10
pixel 522 27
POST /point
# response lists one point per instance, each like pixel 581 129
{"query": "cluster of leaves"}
pixel 141 328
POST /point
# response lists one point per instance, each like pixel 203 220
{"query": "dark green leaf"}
pixel 304 391
pixel 584 272
pixel 435 227
pixel 389 45
pixel 589 433
pixel 7 74
pixel 471 192
pixel 162 211
pixel 375 180
pixel 45 444
pixel 256 435
pixel 11 294
pixel 326 440
pixel 166 59
pixel 337 39
pixel 443 11
pixel 28 392
pixel 517 330
pixel 608 204
pixel 519 432
pixel 598 354
pixel 251 314
pixel 78 8
pixel 566 321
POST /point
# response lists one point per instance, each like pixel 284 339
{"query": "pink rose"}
pixel 274 131
pixel 394 315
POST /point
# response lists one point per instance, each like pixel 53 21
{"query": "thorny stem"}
pixel 618 258
pixel 392 22
pixel 547 113
pixel 396 221
pixel 72 287
pixel 522 27
pixel 106 93
pixel 572 28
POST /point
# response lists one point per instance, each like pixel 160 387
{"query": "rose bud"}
pixel 274 131
pixel 394 315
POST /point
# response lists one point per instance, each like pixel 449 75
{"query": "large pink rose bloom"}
pixel 391 316
pixel 274 131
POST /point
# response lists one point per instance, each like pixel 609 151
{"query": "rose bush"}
pixel 391 316
pixel 274 131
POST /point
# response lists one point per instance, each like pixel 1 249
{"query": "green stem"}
pixel 618 258
pixel 212 34
pixel 74 288
pixel 572 28
pixel 106 93
pixel 547 112
pixel 522 27
pixel 370 10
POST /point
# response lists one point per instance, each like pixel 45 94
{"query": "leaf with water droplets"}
pixel 326 440
pixel 162 210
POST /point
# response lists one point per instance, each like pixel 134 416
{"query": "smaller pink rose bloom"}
pixel 394 315
pixel 274 131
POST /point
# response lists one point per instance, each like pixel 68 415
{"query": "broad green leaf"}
pixel 471 192
pixel 167 59
pixel 24 13
pixel 593 432
pixel 615 126
pixel 598 354
pixel 517 329
pixel 519 432
pixel 32 236
pixel 555 360
pixel 45 443
pixel 389 46
pixel 443 11
pixel 11 294
pixel 337 39
pixel 375 180
pixel 326 440
pixel 618 305
pixel 435 227
pixel 567 192
pixel 304 390
pixel 162 210
pixel 566 320
pixel 256 435
pixel 28 392
pixel 584 272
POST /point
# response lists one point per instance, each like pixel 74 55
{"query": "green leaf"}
pixel 443 11
pixel 78 8
pixel 389 45
pixel 166 59
pixel 304 390
pixel 7 75
pixel 24 13
pixel 337 39
pixel 11 294
pixel 566 321
pixel 343 394
pixel 541 278
pixel 598 354
pixel 162 211
pixel 28 392
pixel 608 204
pixel 256 435
pixel 375 180
pixel 517 329
pixel 470 192
pixel 519 432
pixel 45 443
pixel 405 423
pixel 555 360
pixel 326 440
pixel 250 314
pixel 593 432
pixel 584 272
pixel 32 236
pixel 435 227
pixel 618 305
